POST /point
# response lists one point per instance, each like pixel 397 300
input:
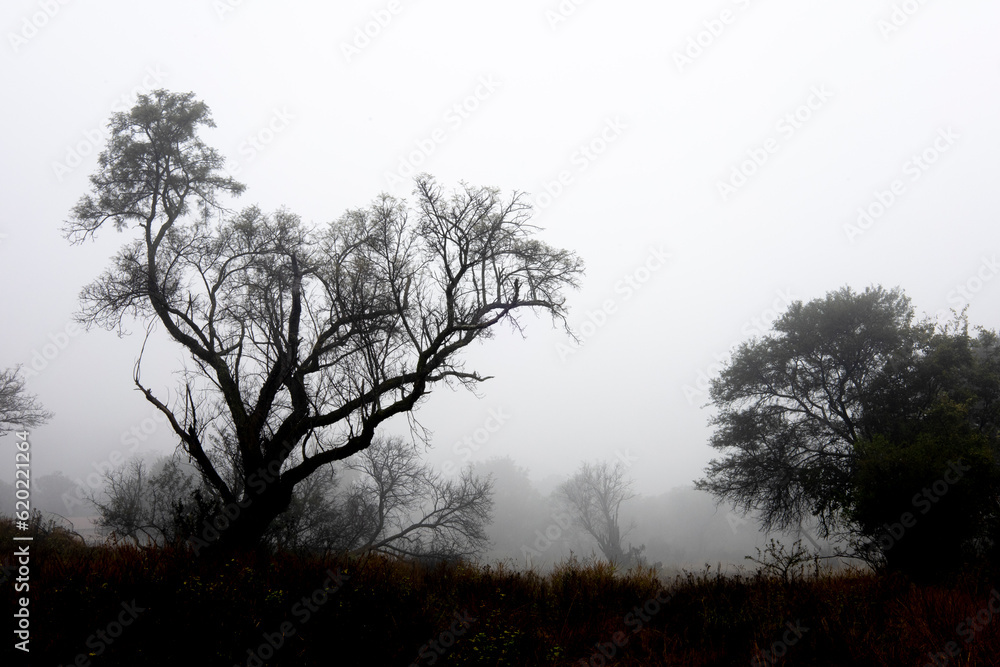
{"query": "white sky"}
pixel 333 125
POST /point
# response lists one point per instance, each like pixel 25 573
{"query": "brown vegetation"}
pixel 383 611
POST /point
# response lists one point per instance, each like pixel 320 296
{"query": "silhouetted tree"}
pixel 923 502
pixel 849 402
pixel 304 339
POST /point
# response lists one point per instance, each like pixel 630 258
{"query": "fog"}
pixel 678 530
pixel 710 163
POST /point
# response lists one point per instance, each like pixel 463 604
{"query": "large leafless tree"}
pixel 304 339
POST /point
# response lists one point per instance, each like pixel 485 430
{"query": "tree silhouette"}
pixel 304 339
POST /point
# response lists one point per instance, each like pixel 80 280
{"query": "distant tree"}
pixel 151 506
pixel 522 516
pixel 48 491
pixel 809 413
pixel 304 339
pixel 394 505
pixel 399 506
pixel 594 496
pixel 18 409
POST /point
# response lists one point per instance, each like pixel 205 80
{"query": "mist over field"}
pixel 574 332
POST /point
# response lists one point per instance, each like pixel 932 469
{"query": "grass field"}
pixel 130 606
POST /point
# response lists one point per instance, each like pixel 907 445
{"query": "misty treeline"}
pixel 853 425
pixel 304 342
pixel 530 525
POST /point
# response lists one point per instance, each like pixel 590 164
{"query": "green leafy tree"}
pixel 304 339
pixel 922 503
pixel 810 416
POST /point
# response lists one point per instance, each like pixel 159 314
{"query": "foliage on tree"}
pixel 305 339
pixel 924 502
pixel 18 409
pixel 594 496
pixel 846 410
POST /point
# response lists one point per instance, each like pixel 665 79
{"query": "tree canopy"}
pixel 806 413
pixel 305 339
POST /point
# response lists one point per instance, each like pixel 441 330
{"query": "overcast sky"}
pixel 710 161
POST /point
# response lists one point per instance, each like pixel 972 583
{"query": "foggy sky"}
pixel 710 162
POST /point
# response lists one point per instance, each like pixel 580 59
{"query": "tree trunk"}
pixel 240 528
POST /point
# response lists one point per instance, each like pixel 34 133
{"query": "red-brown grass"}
pixel 385 611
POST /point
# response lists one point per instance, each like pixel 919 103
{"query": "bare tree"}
pixel 18 409
pixel 149 506
pixel 403 507
pixel 394 505
pixel 594 496
pixel 304 339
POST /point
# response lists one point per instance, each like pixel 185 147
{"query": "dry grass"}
pixel 385 611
